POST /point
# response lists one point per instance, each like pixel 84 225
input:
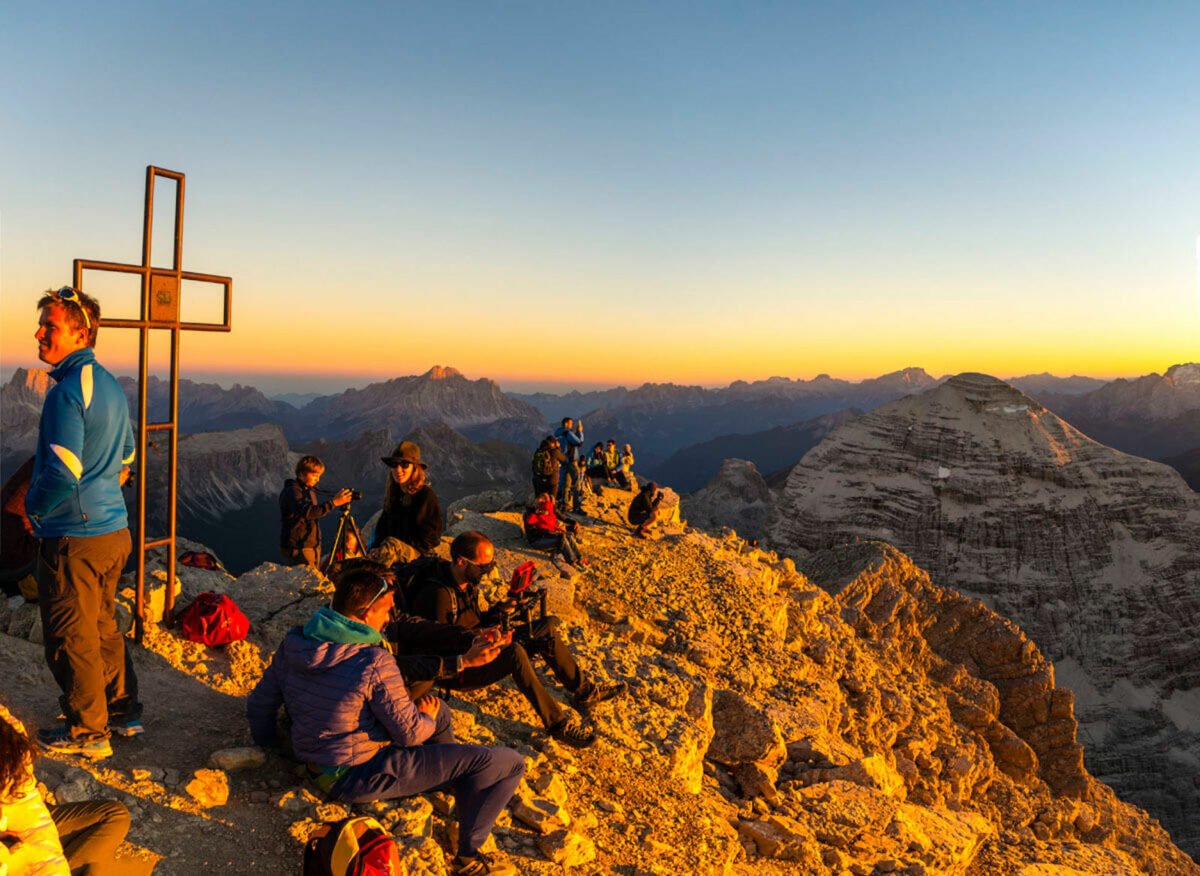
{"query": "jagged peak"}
pixel 1184 374
pixel 442 372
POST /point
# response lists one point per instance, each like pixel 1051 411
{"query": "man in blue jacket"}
pixel 570 440
pixel 360 733
pixel 74 503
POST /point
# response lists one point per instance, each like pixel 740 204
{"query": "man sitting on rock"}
pixel 362 736
pixel 449 594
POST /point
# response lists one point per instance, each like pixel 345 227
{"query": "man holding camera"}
pixel 299 510
pixel 570 439
pixel 449 594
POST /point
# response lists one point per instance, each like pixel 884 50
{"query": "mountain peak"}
pixel 1184 374
pixel 442 372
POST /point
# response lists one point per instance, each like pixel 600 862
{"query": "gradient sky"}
pixel 587 194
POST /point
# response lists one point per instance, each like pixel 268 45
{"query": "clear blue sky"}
pixel 761 188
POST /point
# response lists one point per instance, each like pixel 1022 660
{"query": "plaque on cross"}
pixel 160 309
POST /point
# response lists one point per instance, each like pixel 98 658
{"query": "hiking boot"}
pixel 126 728
pixel 480 864
pixel 59 739
pixel 572 732
pixel 592 693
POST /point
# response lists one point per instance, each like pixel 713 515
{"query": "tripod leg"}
pixel 337 540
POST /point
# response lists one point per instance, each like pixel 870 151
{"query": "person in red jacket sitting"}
pixel 543 529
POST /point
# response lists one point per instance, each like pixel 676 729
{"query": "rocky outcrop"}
pixel 219 472
pixel 1096 554
pixel 737 496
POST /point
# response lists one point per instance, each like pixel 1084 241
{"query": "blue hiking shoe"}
pixel 59 739
pixel 126 728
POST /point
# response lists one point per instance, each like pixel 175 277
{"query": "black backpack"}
pixel 543 462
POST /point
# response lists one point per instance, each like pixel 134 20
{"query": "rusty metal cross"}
pixel 159 310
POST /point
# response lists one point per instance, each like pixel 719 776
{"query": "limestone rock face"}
pixel 737 496
pixel 1096 554
pixel 21 408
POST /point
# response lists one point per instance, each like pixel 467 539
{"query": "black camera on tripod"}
pixel 355 495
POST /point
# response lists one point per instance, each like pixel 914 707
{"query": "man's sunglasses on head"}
pixel 66 293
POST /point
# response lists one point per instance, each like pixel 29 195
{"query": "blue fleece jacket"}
pixel 569 440
pixel 84 440
pixel 344 693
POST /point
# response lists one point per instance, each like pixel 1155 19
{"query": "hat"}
pixel 405 451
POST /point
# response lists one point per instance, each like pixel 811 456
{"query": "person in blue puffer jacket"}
pixel 360 733
pixel 74 502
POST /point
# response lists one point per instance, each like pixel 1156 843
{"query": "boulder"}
pixel 233 759
pixel 209 788
pixel 567 849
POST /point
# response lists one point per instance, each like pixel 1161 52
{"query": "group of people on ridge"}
pixel 357 680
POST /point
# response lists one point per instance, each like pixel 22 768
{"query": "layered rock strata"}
pixel 1095 553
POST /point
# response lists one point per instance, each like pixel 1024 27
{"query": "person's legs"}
pixel 392 551
pixel 70 599
pixel 548 542
pixel 570 549
pixel 549 644
pixel 121 686
pixel 514 661
pixel 483 780
pixel 91 832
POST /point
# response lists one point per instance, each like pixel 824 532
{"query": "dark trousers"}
pixel 77 587
pixel 544 484
pixel 514 662
pixel 483 779
pixel 91 832
pixel 300 556
pixel 558 543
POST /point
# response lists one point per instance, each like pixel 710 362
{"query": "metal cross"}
pixel 159 310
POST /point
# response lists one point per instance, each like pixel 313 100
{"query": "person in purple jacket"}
pixel 361 735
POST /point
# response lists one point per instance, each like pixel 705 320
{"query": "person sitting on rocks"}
pixel 597 467
pixel 625 475
pixel 645 511
pixel 362 735
pixel 450 594
pixel 77 837
pixel 612 462
pixel 543 529
pixel 300 536
pixel 411 521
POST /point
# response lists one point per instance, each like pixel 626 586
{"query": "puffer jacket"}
pixel 343 691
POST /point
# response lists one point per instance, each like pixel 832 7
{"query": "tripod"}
pixel 346 525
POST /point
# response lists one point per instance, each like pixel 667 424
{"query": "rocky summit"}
pixel 1095 553
pixel 846 716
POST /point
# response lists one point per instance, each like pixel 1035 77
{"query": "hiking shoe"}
pixel 592 693
pixel 573 733
pixel 126 728
pixel 59 739
pixel 480 864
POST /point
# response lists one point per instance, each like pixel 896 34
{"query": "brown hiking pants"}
pixel 91 832
pixel 77 588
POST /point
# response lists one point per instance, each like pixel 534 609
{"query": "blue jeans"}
pixel 483 779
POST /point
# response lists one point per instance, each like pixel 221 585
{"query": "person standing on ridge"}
pixel 411 523
pixel 546 462
pixel 612 461
pixel 74 503
pixel 570 440
pixel 299 511
pixel 626 473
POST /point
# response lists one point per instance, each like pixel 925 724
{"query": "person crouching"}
pixel 361 735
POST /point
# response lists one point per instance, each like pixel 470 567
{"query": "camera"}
pixel 355 495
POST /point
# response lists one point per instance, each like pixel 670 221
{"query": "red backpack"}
pixel 356 846
pixel 213 619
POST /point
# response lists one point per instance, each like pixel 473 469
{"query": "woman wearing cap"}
pixel 411 513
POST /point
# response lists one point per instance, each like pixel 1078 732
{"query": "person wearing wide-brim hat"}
pixel 411 523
